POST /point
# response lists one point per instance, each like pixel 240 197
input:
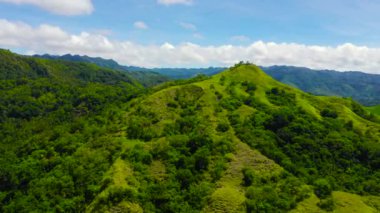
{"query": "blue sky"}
pixel 135 31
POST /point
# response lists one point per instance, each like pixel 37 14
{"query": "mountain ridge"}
pixel 362 87
pixel 219 105
pixel 146 77
pixel 74 139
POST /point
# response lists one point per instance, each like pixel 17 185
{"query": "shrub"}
pixel 201 159
pixel 248 176
pixel 281 98
pixel 222 127
pixel 322 188
pixel 230 103
pixel 327 204
pixel 117 194
pixel 172 104
pixel 250 87
pixel 328 113
pixel 218 169
pixel 219 95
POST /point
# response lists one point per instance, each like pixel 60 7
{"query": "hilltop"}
pixel 243 106
pixel 238 141
pixel 362 87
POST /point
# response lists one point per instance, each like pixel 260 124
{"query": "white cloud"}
pixel 140 25
pixel 60 7
pixel 188 26
pixel 54 40
pixel 171 2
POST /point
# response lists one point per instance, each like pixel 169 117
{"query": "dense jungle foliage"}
pixel 76 137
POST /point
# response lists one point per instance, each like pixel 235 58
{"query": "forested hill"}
pixel 172 73
pixel 240 141
pixel 15 67
pixel 55 118
pixel 79 138
pixel 362 87
pixel 145 76
pixel 374 109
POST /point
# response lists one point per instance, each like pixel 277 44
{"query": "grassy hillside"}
pixel 362 87
pixel 238 141
pixel 374 109
pixel 250 143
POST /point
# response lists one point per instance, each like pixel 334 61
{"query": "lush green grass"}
pixel 229 196
pixel 219 85
pixel 344 203
pixel 374 109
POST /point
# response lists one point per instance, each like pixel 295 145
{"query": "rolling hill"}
pixel 374 109
pixel 268 133
pixel 139 72
pixel 362 87
pixel 146 77
pixel 52 113
pixel 238 141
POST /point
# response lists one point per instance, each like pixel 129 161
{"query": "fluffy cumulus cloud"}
pixel 54 40
pixel 60 7
pixel 171 2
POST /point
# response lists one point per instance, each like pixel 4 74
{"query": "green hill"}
pixel 243 106
pixel 374 109
pixel 156 74
pixel 146 77
pixel 52 115
pixel 238 141
pixel 362 87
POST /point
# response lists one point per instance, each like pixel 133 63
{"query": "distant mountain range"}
pixel 174 73
pixel 362 87
pixel 146 77
pixel 139 73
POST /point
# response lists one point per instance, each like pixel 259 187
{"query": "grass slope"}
pixel 238 141
pixel 374 109
pixel 228 192
pixel 344 203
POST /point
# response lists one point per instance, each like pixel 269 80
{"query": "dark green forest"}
pixel 76 137
pixel 57 125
